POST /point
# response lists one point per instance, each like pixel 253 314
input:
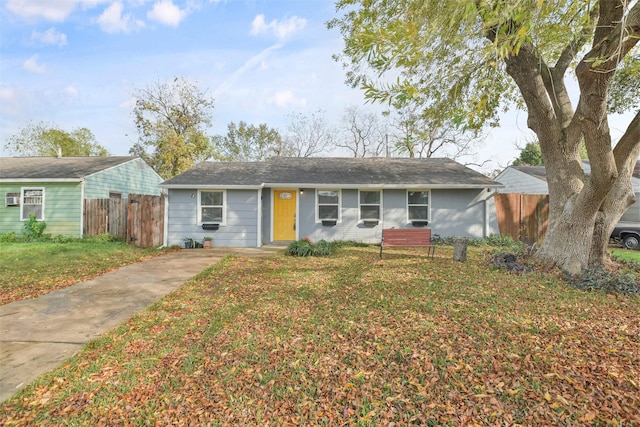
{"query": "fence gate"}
pixel 522 216
pixel 105 216
pixel 145 220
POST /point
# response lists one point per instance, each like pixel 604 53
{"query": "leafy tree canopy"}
pixel 171 119
pixel 244 142
pixel 45 139
pixel 468 60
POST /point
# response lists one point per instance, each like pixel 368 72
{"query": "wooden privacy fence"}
pixel 139 219
pixel 522 216
pixel 145 220
pixel 105 216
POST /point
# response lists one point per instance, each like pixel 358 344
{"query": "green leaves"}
pixel 171 119
pixel 45 139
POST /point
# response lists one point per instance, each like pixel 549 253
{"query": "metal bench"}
pixel 408 238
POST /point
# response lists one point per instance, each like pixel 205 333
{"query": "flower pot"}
pixel 207 244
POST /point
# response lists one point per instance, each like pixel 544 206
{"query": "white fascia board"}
pixel 330 186
pixel 45 180
pixel 210 187
pixel 383 186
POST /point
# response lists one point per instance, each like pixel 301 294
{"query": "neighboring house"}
pixel 54 188
pixel 533 180
pixel 250 204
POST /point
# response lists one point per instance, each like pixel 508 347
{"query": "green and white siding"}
pixel 62 208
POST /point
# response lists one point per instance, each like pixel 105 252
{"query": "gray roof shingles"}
pixel 341 172
pixel 53 168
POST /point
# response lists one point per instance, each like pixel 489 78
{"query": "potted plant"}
pixel 189 243
pixel 207 242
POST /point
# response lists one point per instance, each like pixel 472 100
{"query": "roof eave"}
pixel 27 180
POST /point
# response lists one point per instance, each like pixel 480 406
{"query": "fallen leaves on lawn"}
pixel 352 340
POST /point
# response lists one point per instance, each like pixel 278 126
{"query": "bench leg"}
pixel 431 251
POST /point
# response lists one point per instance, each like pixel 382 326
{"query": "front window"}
pixel 328 204
pixel 418 205
pixel 32 203
pixel 212 206
pixel 370 205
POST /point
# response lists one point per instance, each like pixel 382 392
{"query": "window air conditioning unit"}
pixel 12 200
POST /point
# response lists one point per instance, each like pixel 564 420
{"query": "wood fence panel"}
pixel 145 220
pixel 105 216
pixel 522 216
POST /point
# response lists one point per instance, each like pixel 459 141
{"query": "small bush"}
pixel 300 248
pixel 64 239
pixel 33 229
pixel 323 248
pixel 9 237
pixel 613 282
pixel 348 243
pixel 103 238
pixel 513 261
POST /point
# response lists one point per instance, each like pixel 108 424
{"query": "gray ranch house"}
pixel 248 204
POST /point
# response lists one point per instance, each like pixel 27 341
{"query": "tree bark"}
pixel 582 210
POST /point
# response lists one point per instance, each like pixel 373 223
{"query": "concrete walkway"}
pixel 39 334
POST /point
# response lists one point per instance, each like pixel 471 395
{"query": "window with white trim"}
pixel 32 203
pixel 370 202
pixel 418 205
pixel 328 203
pixel 211 206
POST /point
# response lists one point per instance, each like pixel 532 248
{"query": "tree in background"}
pixel 171 119
pixel 44 139
pixel 364 134
pixel 530 155
pixel 249 143
pixel 468 60
pixel 417 136
pixel 308 135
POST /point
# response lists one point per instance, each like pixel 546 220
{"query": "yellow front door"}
pixel 284 215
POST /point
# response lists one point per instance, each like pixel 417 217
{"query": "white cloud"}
pixel 113 21
pixel 286 99
pixel 70 91
pixel 51 36
pixel 50 10
pixel 167 13
pixel 32 65
pixel 281 29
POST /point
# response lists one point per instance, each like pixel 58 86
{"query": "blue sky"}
pixel 77 63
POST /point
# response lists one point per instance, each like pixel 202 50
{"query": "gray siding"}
pixel 515 181
pixel 453 213
pixel 458 213
pixel 135 177
pixel 348 228
pixel 241 229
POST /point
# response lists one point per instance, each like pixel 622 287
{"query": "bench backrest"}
pixel 408 237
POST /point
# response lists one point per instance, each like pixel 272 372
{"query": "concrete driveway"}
pixel 39 334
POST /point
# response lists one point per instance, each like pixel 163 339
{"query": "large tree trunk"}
pixel 582 210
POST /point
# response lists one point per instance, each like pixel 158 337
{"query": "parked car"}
pixel 627 234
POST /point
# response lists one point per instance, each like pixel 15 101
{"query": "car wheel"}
pixel 631 242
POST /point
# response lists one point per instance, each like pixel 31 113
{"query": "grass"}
pixel 625 255
pixel 354 340
pixel 30 269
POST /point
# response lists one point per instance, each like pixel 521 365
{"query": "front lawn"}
pixel 625 255
pixel 30 269
pixel 354 340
